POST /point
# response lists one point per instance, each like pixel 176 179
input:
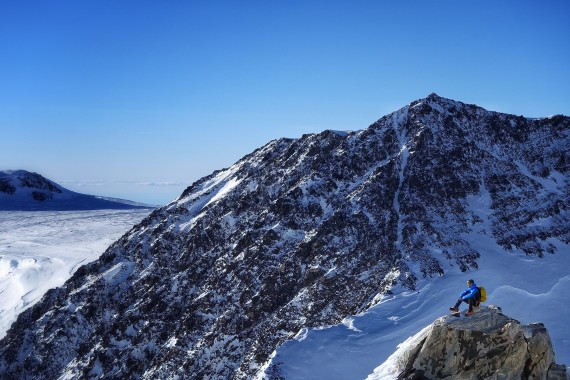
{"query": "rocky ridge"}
pixel 299 233
pixel 486 345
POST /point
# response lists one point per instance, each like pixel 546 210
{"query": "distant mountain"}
pixel 301 233
pixel 25 191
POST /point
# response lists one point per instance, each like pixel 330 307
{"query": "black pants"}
pixel 471 301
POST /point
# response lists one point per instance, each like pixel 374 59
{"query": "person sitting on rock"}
pixel 470 296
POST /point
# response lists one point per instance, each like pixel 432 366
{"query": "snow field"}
pixel 41 250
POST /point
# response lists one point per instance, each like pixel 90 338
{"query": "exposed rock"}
pixel 486 345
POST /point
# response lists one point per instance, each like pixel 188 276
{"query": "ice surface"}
pixel 41 250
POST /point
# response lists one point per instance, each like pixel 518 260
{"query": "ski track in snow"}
pixel 41 250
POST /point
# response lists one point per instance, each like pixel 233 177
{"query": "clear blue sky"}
pixel 118 96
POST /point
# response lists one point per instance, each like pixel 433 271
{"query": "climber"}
pixel 470 296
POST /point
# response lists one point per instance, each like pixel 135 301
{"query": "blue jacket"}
pixel 470 293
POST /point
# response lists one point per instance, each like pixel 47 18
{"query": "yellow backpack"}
pixel 482 294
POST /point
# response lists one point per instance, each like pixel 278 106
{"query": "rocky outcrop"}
pixel 486 345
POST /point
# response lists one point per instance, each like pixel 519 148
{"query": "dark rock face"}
pixel 299 233
pixel 6 187
pixel 487 345
pixel 36 181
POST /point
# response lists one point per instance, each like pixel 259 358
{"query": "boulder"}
pixel 486 345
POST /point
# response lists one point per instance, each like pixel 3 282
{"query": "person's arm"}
pixel 469 293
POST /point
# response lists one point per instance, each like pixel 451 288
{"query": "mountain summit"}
pixel 301 233
pixel 26 191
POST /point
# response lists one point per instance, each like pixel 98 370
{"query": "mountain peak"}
pixel 433 96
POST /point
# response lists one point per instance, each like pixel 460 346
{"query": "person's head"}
pixel 470 282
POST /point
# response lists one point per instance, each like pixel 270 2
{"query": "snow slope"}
pixel 41 250
pixel 527 288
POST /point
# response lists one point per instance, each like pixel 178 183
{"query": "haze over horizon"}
pixel 139 100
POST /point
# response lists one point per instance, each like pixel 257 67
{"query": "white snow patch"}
pixel 301 335
pixel 209 192
pixel 554 183
pixel 171 342
pixel 118 273
pixel 349 323
pixel 394 365
pixel 228 186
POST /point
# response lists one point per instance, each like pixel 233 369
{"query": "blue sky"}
pixel 138 99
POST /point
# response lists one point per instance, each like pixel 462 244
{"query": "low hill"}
pixel 21 190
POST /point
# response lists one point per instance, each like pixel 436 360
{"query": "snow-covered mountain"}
pixel 26 191
pixel 304 233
